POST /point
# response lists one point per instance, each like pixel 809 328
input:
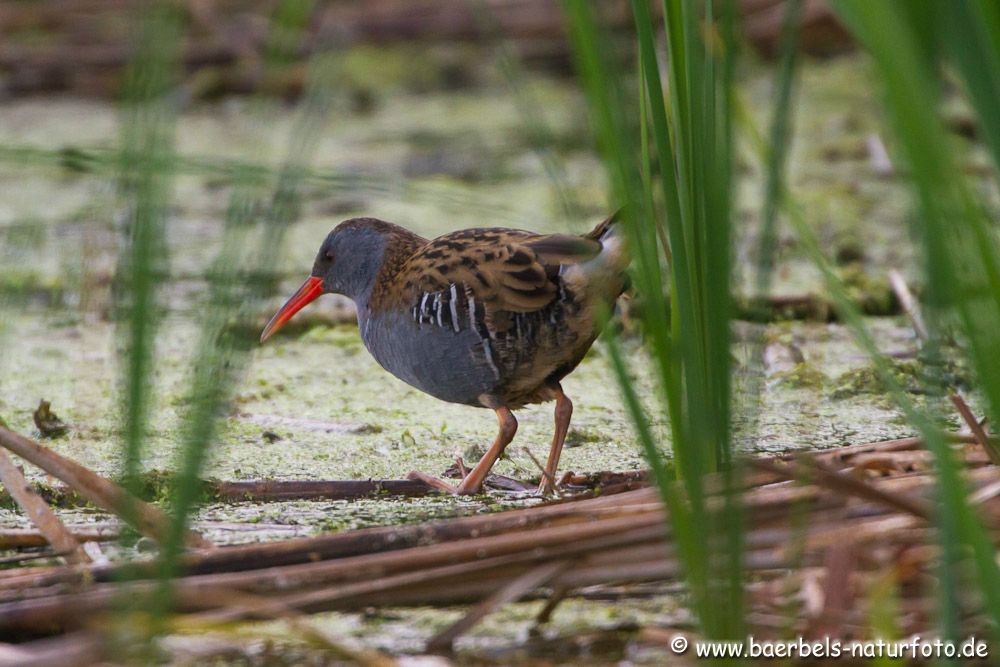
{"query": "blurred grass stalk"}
pixel 672 163
pixel 961 258
pixel 147 140
pixel 687 330
pixel 960 250
pixel 241 276
pixel 749 389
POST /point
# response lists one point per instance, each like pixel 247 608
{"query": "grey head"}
pixel 353 254
pixel 350 262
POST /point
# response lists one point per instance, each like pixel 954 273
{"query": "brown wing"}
pixel 505 270
pixel 502 294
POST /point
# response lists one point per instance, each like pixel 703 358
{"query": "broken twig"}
pixel 147 519
pixel 510 592
pixel 978 432
pixel 908 303
pixel 49 525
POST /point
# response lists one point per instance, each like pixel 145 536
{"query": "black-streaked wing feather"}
pixel 520 303
pixel 502 270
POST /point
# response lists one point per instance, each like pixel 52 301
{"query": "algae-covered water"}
pixel 312 404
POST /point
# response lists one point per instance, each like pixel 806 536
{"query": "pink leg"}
pixel 563 413
pixel 473 482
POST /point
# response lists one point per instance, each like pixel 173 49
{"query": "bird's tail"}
pixel 606 272
pixel 614 255
pixel 607 227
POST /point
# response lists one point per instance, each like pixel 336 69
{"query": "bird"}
pixel 487 317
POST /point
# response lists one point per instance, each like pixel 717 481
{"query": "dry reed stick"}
pixel 147 519
pixel 512 591
pixel 49 525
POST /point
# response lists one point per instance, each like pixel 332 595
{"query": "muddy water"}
pixel 313 404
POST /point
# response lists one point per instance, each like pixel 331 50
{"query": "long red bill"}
pixel 310 289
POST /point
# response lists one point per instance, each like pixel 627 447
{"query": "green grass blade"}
pixel 237 287
pixel 146 140
pixel 686 325
pixel 955 513
pixel 764 253
pixel 961 256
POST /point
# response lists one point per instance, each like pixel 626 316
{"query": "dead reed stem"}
pixel 147 519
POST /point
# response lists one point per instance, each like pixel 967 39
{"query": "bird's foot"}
pixel 546 487
pixel 467 487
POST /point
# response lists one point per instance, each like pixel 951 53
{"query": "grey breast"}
pixel 439 360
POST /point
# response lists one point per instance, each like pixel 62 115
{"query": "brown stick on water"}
pixel 341 545
pixel 146 518
pixel 509 592
pixel 371 540
pixel 978 432
pixel 26 538
pixel 84 647
pixel 763 502
pixel 311 490
pixel 627 547
pixel 49 525
pixel 618 549
pixel 819 474
pixel 908 303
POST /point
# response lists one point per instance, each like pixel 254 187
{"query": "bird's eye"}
pixel 329 255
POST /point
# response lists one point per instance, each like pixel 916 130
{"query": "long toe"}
pixel 433 482
pixel 469 487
